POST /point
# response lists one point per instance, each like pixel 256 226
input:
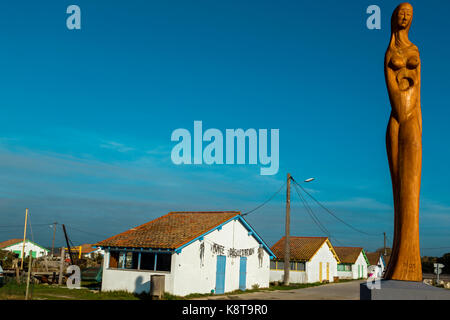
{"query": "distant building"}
pixel 312 259
pixel 16 245
pixel 377 264
pixel 88 250
pixel 353 263
pixel 197 252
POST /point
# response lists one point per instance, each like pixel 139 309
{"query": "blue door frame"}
pixel 220 274
pixel 243 273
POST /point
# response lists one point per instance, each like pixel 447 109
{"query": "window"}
pixel 280 265
pixel 121 260
pixel 344 267
pixel 293 265
pixel 113 259
pixel 147 261
pixel 130 260
pixel 301 266
pixel 163 262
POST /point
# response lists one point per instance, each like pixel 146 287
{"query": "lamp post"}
pixel 287 244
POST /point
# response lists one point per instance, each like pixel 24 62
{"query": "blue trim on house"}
pixel 384 262
pixel 151 250
pixel 219 227
pixel 139 261
pixel 257 237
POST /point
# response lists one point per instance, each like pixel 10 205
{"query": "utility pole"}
pixel 287 247
pixel 384 233
pixel 24 237
pixel 53 242
pixel 61 266
pixel 68 245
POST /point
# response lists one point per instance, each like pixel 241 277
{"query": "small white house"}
pixel 89 250
pixel 377 264
pixel 16 246
pixel 312 259
pixel 353 263
pixel 197 252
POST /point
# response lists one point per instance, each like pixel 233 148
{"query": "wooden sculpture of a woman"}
pixel 404 145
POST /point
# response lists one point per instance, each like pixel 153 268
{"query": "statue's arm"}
pixel 391 84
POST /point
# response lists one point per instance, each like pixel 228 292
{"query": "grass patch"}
pixel 14 291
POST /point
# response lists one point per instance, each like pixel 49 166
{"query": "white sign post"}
pixel 438 270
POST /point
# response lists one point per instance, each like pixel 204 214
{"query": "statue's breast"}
pixel 405 59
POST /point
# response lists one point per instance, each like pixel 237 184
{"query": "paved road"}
pixel 332 291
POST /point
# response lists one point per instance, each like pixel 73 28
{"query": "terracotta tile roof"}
pixel 373 257
pixel 302 248
pixel 9 242
pixel 348 254
pixel 87 248
pixel 169 231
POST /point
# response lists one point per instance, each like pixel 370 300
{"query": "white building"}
pixel 197 252
pixel 353 264
pixel 313 259
pixel 16 245
pixel 89 250
pixel 377 264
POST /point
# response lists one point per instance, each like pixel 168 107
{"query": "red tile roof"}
pixel 348 254
pixel 302 248
pixel 9 242
pixel 169 231
pixel 87 248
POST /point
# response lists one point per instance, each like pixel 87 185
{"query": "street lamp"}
pixel 287 246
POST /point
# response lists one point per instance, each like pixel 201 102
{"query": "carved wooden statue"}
pixel 404 145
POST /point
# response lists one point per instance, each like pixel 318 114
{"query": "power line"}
pixel 265 202
pixel 313 216
pixel 21 226
pixel 329 211
pixel 86 232
pixel 31 228
pixel 311 213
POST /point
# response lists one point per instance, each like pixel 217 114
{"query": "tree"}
pixel 445 260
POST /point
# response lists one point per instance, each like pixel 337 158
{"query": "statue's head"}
pixel 402 17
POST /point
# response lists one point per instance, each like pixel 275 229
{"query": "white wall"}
pixel 28 246
pixel 311 274
pixel 96 251
pixel 294 276
pixel 325 256
pixel 135 281
pixel 376 269
pixel 346 274
pixel 361 261
pixel 190 276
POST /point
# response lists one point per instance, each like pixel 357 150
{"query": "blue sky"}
pixel 87 115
